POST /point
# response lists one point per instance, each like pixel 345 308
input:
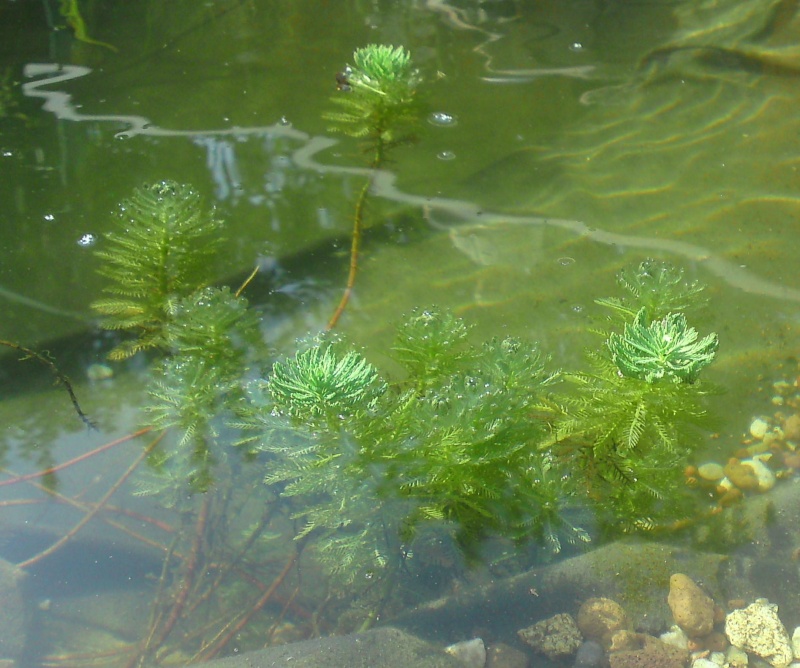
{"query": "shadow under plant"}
pixel 314 485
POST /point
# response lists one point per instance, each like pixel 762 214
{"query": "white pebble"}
pixel 759 428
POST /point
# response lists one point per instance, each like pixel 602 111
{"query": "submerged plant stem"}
pixel 75 460
pixel 215 649
pixel 155 641
pixel 355 249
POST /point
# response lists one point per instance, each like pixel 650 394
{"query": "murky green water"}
pixel 565 141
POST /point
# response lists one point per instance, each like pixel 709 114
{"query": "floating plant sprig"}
pixel 656 286
pixel 158 255
pixel 378 97
pixel 665 348
pixel 379 101
pixel 639 410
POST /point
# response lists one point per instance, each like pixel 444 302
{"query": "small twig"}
pixel 285 609
pixel 57 373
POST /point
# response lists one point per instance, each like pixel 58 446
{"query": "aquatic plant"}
pixel 379 104
pixel 158 255
pixel 70 10
pixel 367 462
pixel 468 442
pixel 666 348
pixel 378 96
pixel 637 415
pixel 158 262
pixel 656 286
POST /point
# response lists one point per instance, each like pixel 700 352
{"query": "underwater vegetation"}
pixel 471 442
pixel 158 256
pixel 319 464
pixel 378 101
pixel 70 10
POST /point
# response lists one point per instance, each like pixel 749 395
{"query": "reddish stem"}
pixel 88 516
pixel 76 460
pixel 215 649
pixel 186 585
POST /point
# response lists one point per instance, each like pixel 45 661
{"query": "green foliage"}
pixel 451 444
pixel 658 287
pixel 471 441
pixel 378 99
pixel 159 254
pixel 316 382
pixel 666 348
pixel 212 335
pixel 635 417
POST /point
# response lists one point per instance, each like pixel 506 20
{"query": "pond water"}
pixel 562 142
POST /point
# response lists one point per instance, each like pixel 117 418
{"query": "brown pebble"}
pixel 716 642
pixel 600 618
pixel 719 614
pixel 740 475
pixel 692 609
pixel 729 497
pixel 791 428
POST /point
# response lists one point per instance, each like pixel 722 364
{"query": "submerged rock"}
pixel 758 630
pixel 652 654
pixel 759 428
pixel 557 637
pixel 590 655
pixel 692 608
pixel 600 618
pixel 471 653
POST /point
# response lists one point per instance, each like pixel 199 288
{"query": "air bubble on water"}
pixel 442 118
pixel 577 308
pixel 446 155
pixel 566 261
pixel 576 46
pixel 87 240
pixel 49 217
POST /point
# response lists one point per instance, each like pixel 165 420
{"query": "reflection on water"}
pixel 599 134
